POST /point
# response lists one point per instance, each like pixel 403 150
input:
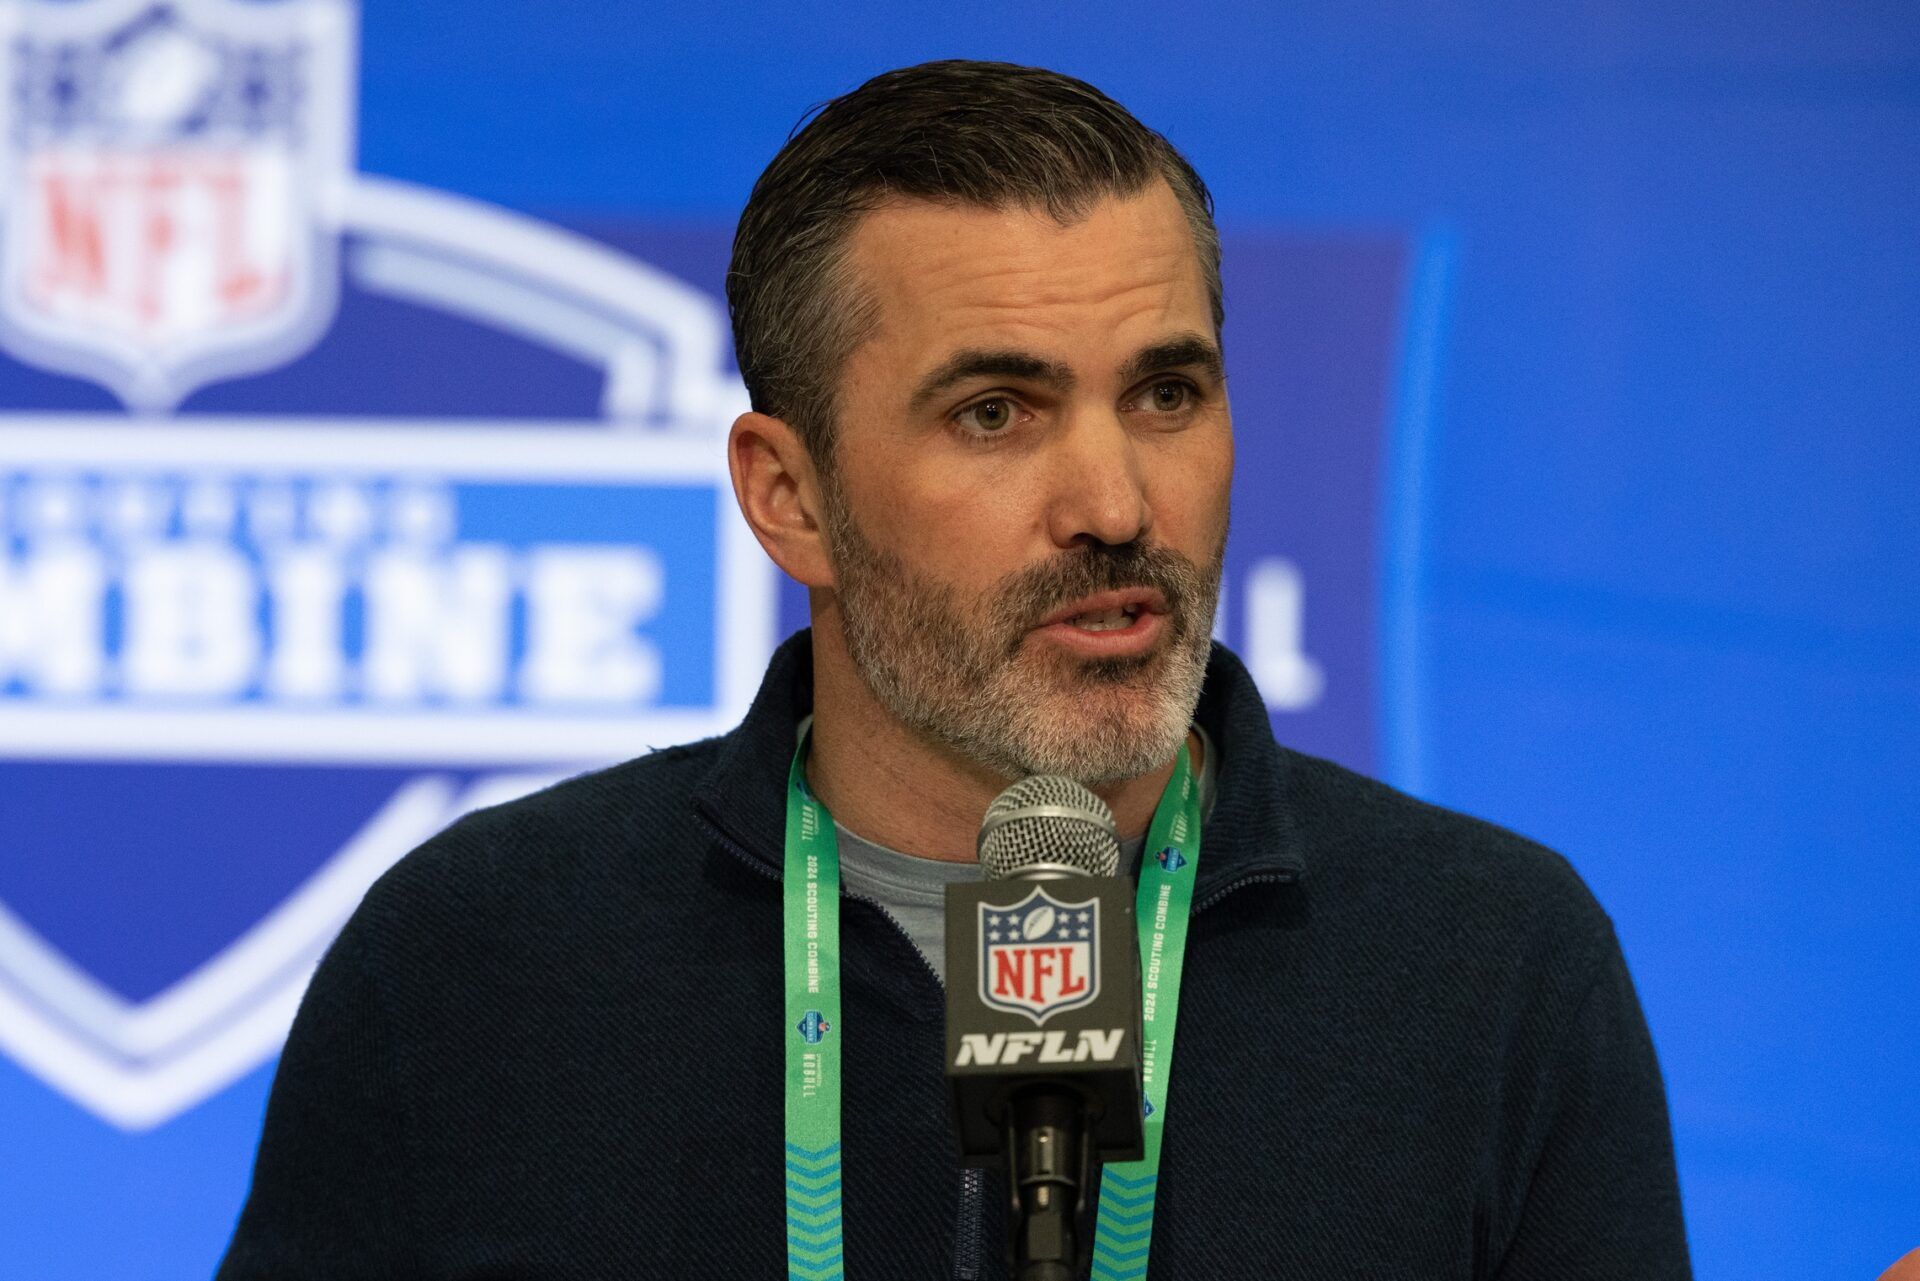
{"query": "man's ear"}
pixel 779 493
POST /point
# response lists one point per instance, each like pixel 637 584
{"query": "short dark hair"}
pixel 990 134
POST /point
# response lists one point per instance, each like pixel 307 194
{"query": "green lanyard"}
pixel 811 890
pixel 1161 907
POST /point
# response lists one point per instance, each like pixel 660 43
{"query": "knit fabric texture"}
pixel 549 1045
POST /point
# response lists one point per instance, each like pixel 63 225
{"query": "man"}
pixel 978 308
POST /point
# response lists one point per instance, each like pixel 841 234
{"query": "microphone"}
pixel 1043 1013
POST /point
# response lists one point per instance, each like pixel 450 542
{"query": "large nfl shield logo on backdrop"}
pixel 172 177
pixel 250 657
pixel 1040 956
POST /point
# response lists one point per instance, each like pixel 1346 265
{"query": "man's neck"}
pixel 893 787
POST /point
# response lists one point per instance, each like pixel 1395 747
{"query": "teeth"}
pixel 1105 621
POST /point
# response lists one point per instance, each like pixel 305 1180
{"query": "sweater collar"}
pixel 1251 833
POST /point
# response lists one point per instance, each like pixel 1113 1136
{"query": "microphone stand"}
pixel 1048 1162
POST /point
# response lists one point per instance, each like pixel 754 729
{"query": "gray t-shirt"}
pixel 912 890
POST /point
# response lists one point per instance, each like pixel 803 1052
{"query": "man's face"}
pixel 1027 504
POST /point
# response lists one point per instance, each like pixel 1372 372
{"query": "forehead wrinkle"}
pixel 1061 282
pixel 1020 273
pixel 962 279
pixel 1014 321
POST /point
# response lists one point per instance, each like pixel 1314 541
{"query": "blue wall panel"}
pixel 1573 355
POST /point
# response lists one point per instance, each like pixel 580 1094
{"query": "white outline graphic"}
pixel 140 1065
pixel 661 345
pixel 559 452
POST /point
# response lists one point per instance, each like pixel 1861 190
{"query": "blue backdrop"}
pixel 1573 355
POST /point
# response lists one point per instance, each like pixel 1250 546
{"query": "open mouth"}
pixel 1105 620
pixel 1110 623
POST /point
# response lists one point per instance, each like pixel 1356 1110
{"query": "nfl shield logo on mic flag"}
pixel 1040 956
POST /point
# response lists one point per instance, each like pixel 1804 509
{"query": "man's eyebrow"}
pixel 1186 351
pixel 974 362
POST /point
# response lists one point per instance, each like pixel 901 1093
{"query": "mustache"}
pixel 1029 595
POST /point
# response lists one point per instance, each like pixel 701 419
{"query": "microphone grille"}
pixel 1048 819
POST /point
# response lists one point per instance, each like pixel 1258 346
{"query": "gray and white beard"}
pixel 961 674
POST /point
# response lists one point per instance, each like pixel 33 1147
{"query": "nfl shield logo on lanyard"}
pixel 1040 956
pixel 172 177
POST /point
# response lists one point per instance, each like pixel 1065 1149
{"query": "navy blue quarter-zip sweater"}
pixel 549 1045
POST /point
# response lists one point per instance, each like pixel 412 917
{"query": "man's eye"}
pixel 987 415
pixel 1168 397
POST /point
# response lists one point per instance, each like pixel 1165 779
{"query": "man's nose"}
pixel 1099 487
